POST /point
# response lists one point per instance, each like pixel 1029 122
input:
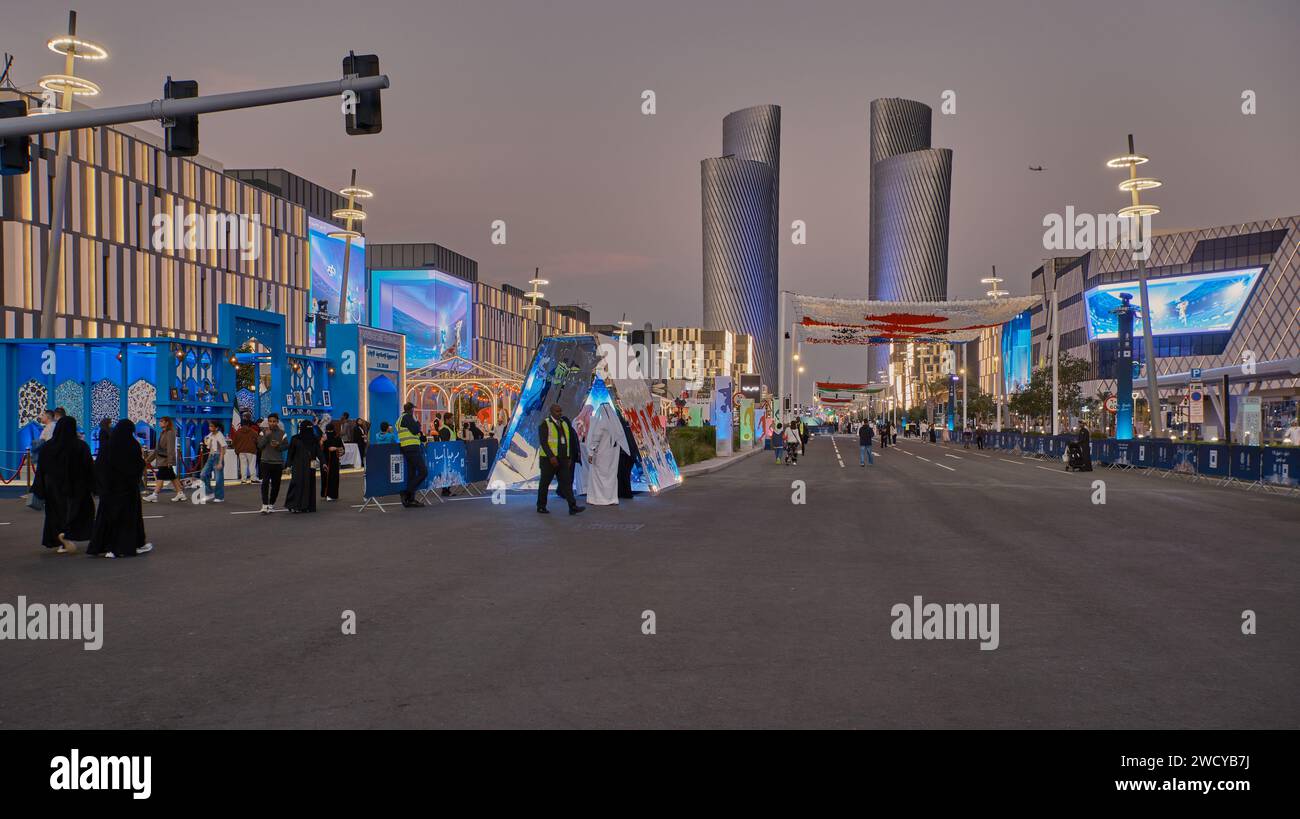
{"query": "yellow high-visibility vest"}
pixel 405 437
pixel 561 434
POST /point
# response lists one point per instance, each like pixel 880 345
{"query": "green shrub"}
pixel 690 445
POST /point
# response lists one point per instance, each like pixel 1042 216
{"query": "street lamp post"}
pixel 68 85
pixel 1138 212
pixel 349 214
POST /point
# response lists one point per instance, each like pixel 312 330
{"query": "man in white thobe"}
pixel 605 440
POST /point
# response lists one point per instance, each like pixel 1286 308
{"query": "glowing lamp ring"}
pixel 1138 211
pixel 344 234
pixel 357 193
pixel 350 213
pixel 534 294
pixel 76 47
pixel 1141 183
pixel 64 83
pixel 1127 161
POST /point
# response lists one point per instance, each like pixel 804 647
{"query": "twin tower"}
pixel 911 186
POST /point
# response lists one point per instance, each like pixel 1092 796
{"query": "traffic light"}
pixel 363 115
pixel 183 132
pixel 15 151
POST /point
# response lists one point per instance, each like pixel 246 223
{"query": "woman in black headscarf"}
pixel 332 453
pixel 303 454
pixel 119 523
pixel 67 478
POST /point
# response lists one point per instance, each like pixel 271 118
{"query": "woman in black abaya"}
pixel 303 454
pixel 332 452
pixel 119 523
pixel 67 478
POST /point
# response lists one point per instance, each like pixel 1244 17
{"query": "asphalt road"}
pixel 767 613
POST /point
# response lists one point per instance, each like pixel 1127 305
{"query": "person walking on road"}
pixel 331 463
pixel 792 443
pixel 559 453
pixel 271 445
pixel 119 522
pixel 865 456
pixel 244 442
pixel 164 462
pixel 67 478
pixel 214 466
pixel 778 443
pixel 303 457
pixel 411 440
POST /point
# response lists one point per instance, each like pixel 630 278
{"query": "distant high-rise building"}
pixel 911 192
pixel 740 198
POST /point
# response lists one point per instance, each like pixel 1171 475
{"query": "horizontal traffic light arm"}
pixel 170 109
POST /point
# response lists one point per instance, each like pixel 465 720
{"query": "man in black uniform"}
pixel 558 452
pixel 411 441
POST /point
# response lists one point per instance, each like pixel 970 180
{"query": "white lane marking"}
pixel 1008 460
pixel 927 460
pixel 981 454
pixel 946 455
pixel 5 523
pixel 153 517
pixel 949 468
pixel 257 512
pixel 1050 469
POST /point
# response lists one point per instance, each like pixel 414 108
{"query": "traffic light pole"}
pixel 164 109
pixel 171 109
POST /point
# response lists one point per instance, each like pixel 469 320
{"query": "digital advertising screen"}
pixel 432 309
pixel 327 270
pixel 1199 303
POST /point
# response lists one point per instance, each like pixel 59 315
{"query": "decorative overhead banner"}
pixel 865 321
pixel 838 386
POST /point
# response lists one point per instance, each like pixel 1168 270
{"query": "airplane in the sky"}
pixel 1035 167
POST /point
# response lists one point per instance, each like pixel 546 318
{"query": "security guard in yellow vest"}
pixel 559 451
pixel 411 440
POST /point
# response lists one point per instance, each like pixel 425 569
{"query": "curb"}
pixel 717 464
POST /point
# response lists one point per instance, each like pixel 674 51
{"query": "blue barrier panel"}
pixel 1247 462
pixel 1040 445
pixel 1213 460
pixel 1142 452
pixel 1185 458
pixel 1060 443
pixel 385 471
pixel 479 456
pixel 446 461
pixel 1164 454
pixel 1103 451
pixel 1280 465
pixel 1123 452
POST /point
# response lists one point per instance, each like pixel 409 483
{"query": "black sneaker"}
pixel 573 510
pixel 542 510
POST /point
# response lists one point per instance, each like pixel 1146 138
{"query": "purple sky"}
pixel 530 112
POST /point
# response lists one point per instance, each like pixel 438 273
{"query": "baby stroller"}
pixel 1075 462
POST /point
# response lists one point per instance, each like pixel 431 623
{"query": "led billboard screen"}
pixel 327 270
pixel 1199 303
pixel 433 310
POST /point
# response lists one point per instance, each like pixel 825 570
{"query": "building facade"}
pixel 123 277
pixel 1223 297
pixel 740 221
pixel 911 194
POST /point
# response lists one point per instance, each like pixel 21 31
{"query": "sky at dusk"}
pixel 530 112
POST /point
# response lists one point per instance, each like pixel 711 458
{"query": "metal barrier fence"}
pixel 1270 468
